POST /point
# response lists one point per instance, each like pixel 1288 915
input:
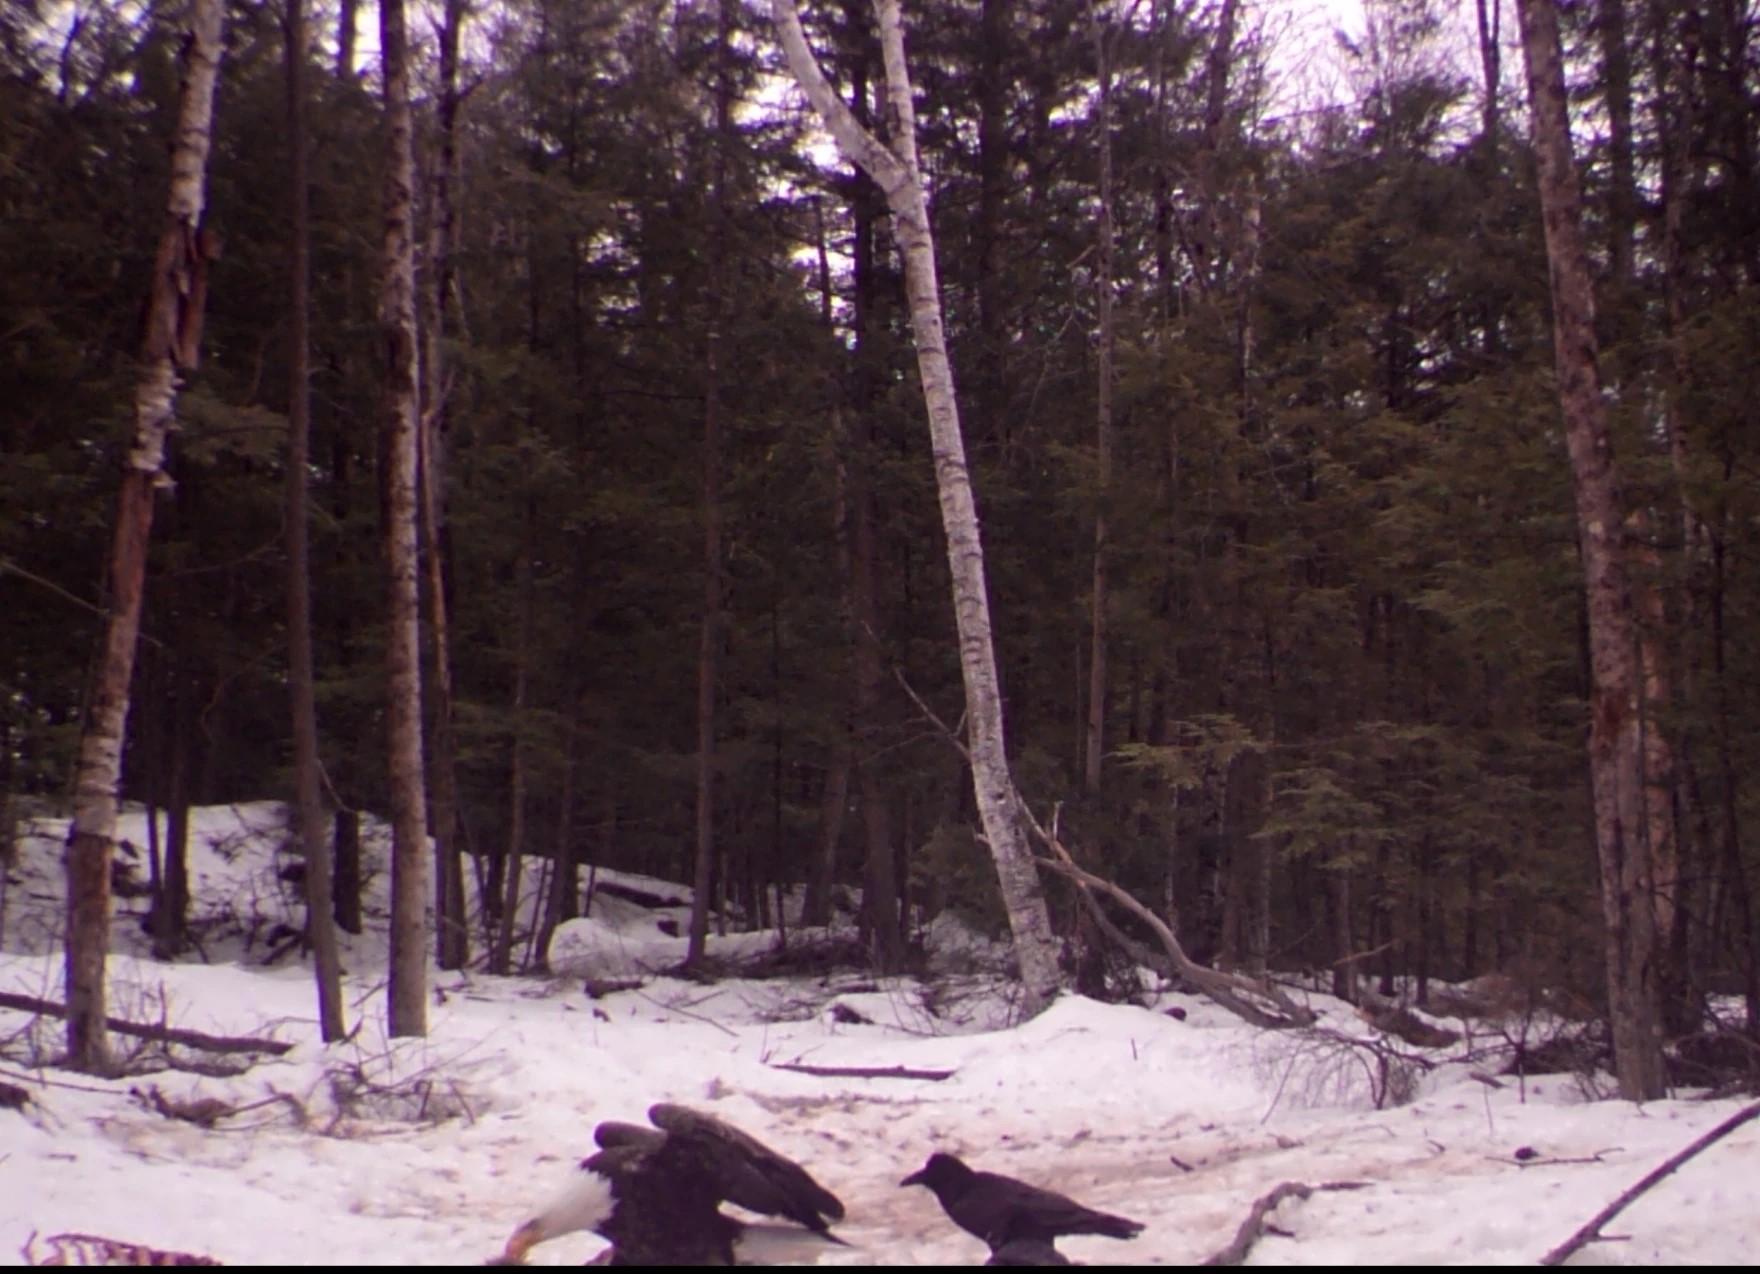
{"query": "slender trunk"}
pixel 452 931
pixel 347 841
pixel 1616 76
pixel 346 20
pixel 308 807
pixel 517 779
pixel 560 898
pixel 709 649
pixel 173 338
pixel 1094 746
pixel 900 177
pixel 1616 751
pixel 408 991
pixel 1490 15
pixel 816 907
pixel 171 914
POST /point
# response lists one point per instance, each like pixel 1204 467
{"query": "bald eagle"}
pixel 656 1194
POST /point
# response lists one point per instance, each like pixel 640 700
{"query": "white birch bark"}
pixel 897 174
pixel 174 317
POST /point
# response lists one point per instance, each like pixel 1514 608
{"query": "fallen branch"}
pixel 863 1072
pixel 599 988
pixel 1254 1226
pixel 1592 1231
pixel 1255 1001
pixel 158 1034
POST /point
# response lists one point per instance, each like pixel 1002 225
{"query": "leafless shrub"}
pixel 375 1088
pixel 1319 1066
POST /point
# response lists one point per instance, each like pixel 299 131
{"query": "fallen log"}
pixel 158 1034
pixel 863 1072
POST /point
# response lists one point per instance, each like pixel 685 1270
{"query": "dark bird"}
pixel 1020 1222
pixel 656 1194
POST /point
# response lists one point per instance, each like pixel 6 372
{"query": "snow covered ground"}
pixel 432 1151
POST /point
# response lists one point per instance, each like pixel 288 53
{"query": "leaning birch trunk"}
pixel 408 989
pixel 896 172
pixel 1616 735
pixel 172 340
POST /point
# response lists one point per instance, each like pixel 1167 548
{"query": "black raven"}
pixel 1020 1222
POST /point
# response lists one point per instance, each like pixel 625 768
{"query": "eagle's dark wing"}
pixel 747 1171
pixel 612 1133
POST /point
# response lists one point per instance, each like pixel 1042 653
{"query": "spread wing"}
pixel 746 1171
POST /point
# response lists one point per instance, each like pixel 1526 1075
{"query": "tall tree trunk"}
pixel 301 677
pixel 1616 743
pixel 709 649
pixel 1490 16
pixel 173 338
pixel 1622 191
pixel 347 843
pixel 452 931
pixel 1094 745
pixel 816 907
pixel 408 990
pixel 346 20
pixel 899 176
pixel 561 900
pixel 170 917
pixel 501 960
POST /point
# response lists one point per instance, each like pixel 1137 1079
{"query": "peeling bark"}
pixel 173 331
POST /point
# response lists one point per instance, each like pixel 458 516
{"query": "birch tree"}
pixel 896 171
pixel 1616 734
pixel 408 990
pixel 171 344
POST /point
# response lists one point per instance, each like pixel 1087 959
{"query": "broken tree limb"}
pixel 862 1072
pixel 1253 1000
pixel 158 1034
pixel 1254 1226
pixel 1592 1231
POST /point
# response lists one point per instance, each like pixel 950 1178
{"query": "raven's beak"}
pixel 915 1179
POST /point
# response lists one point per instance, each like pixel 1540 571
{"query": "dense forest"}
pixel 1284 553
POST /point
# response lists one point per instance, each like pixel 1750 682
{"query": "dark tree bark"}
pixel 452 931
pixel 347 843
pixel 308 817
pixel 709 648
pixel 501 959
pixel 1098 632
pixel 408 990
pixel 1616 742
pixel 172 340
